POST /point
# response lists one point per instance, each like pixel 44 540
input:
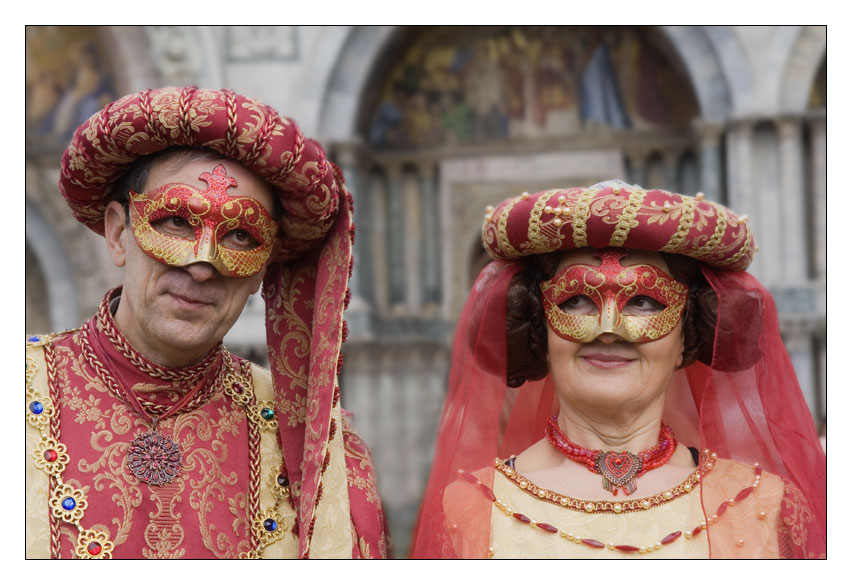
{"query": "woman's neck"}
pixel 628 431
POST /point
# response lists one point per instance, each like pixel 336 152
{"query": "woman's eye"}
pixel 240 240
pixel 643 305
pixel 174 226
pixel 579 305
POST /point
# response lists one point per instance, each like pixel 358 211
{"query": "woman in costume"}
pixel 620 388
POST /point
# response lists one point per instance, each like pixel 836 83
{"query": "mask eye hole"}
pixel 579 305
pixel 641 306
pixel 240 240
pixel 174 225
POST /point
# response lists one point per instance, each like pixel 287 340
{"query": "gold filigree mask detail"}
pixel 639 303
pixel 179 224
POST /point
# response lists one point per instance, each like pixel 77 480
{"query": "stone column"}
pixel 795 244
pixel 430 261
pixel 379 240
pixel 412 241
pixel 395 244
pixel 670 164
pixel 798 343
pixel 710 161
pixel 636 159
pixel 741 192
pixel 818 189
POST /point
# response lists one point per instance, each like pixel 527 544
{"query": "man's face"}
pixel 174 315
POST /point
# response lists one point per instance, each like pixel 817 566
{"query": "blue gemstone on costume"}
pixel 33 338
pixel 36 407
pixel 69 503
pixel 267 414
pixel 270 525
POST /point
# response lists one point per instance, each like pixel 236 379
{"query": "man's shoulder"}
pixel 35 340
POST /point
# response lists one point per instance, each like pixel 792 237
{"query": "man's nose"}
pixel 201 271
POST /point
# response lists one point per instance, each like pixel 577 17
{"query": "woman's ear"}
pixel 115 232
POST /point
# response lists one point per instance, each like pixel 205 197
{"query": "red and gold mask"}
pixel 610 298
pixel 179 224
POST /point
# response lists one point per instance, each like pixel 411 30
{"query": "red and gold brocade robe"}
pixel 226 488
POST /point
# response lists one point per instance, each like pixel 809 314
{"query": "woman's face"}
pixel 609 371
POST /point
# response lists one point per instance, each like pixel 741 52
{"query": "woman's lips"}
pixel 606 361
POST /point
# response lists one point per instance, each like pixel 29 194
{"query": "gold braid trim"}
pixel 581 218
pixel 509 251
pixel 627 219
pixel 687 217
pixel 538 242
pixel 718 233
pixel 746 248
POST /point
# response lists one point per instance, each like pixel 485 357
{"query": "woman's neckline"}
pixel 588 506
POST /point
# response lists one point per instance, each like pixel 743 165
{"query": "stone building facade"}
pixel 432 124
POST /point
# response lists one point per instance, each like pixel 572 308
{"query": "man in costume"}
pixel 148 439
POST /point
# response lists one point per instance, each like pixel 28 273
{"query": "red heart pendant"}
pixel 618 467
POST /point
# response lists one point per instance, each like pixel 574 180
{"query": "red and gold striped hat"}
pixel 237 127
pixel 615 214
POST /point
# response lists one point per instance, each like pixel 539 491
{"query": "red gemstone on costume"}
pixel 593 543
pixel 696 530
pixel 521 517
pixel 758 470
pixel 722 507
pixel 547 527
pixel 744 493
pixel 468 476
pixel 627 547
pixel 94 548
pixel 671 537
pixel 488 492
pixel 51 455
pixel 238 388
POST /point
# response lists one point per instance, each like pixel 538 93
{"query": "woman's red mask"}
pixel 639 303
pixel 179 224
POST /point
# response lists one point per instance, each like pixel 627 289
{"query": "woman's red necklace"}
pixel 618 468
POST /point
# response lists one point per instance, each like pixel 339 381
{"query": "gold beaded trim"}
pixel 607 506
pixel 502 232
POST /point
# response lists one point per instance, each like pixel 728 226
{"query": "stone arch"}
pixel 357 51
pixel 805 58
pixel 711 77
pixel 52 260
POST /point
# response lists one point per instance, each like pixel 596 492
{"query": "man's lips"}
pixel 190 300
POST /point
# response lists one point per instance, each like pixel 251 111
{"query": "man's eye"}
pixel 174 226
pixel 579 305
pixel 240 240
pixel 643 305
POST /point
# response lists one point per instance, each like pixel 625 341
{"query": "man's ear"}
pixel 116 231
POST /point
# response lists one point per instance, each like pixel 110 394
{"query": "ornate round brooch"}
pixel 154 458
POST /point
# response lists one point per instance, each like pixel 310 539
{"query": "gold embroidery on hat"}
pixel 508 251
pixel 581 217
pixel 687 216
pixel 627 219
pixel 542 237
pixel 721 225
